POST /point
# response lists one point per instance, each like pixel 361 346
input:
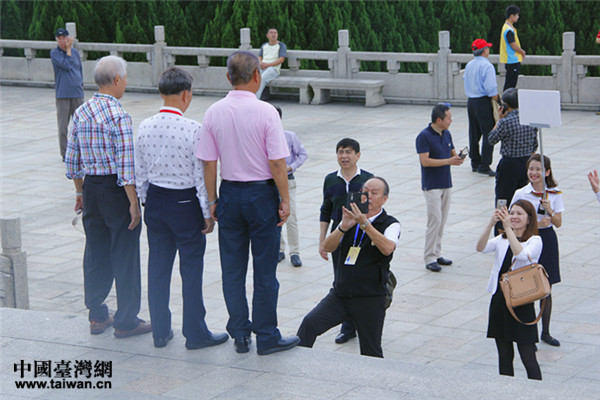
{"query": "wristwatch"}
pixel 213 202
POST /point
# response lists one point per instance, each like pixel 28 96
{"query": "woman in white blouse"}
pixel 517 247
pixel 549 214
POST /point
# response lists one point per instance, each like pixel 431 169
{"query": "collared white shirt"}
pixel 532 248
pixel 392 232
pixel 164 155
pixel 528 193
pixel 339 173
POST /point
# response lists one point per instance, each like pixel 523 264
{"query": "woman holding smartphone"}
pixel 516 247
pixel 549 214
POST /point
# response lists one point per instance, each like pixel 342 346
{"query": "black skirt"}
pixel 549 256
pixel 501 324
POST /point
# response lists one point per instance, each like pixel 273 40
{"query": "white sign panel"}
pixel 539 107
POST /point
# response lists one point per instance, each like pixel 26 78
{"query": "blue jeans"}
pixel 248 215
pixel 267 75
pixel 174 220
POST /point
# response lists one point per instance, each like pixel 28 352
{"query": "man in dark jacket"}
pixel 366 242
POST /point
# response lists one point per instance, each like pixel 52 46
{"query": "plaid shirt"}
pixel 101 141
pixel 517 140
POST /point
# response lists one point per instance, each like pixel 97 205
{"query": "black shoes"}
pixel 283 344
pixel 213 340
pixel 344 337
pixel 162 342
pixel 296 262
pixel 434 267
pixel 242 344
pixel 488 172
pixel 280 257
pixel 444 261
pixel 550 340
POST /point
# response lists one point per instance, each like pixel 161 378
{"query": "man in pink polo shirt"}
pixel 246 136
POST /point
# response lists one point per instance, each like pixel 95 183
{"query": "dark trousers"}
pixel 175 222
pixel 511 175
pixel 367 313
pixel 512 75
pixel 481 122
pixel 347 327
pixel 65 107
pixel 112 252
pixel 248 216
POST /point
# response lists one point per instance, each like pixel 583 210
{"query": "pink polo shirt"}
pixel 243 133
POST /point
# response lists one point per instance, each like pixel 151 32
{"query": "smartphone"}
pixel 360 199
pixel 463 153
pixel 501 203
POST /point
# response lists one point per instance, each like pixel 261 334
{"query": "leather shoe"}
pixel 162 342
pixel 434 266
pixel 488 172
pixel 344 337
pixel 296 262
pixel 242 344
pixel 212 340
pixel 143 327
pixel 98 327
pixel 444 261
pixel 283 344
pixel 281 256
pixel 550 340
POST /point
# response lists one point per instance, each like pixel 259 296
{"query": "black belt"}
pixel 291 176
pixel 238 183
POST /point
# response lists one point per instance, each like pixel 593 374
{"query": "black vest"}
pixel 368 276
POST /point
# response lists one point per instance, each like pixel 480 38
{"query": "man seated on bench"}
pixel 271 55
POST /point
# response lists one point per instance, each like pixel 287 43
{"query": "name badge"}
pixel 353 253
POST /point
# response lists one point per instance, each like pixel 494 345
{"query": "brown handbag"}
pixel 523 286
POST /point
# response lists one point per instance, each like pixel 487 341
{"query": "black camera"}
pixel 361 199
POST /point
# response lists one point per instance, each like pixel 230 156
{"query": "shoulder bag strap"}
pixel 512 312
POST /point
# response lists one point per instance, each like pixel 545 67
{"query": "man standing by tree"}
pixel 511 52
pixel 68 76
pixel 271 56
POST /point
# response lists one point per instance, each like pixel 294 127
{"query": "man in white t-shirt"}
pixel 271 55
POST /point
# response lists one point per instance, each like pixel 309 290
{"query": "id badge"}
pixel 353 253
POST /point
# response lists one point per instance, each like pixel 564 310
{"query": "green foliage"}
pixel 385 25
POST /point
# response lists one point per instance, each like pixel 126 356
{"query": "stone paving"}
pixel 437 322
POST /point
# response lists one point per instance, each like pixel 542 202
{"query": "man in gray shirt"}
pixel 68 76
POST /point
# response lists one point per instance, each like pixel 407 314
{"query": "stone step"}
pixel 140 371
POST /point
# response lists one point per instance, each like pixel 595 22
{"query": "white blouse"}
pixel 528 193
pixel 532 248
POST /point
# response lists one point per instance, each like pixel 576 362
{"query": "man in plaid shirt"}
pixel 518 143
pixel 100 148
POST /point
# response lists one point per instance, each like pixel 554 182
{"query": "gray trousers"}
pixel 291 224
pixel 64 110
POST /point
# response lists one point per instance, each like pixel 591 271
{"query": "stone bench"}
pixel 373 89
pixel 302 84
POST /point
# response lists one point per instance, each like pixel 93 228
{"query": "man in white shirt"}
pixel 170 182
pixel 271 55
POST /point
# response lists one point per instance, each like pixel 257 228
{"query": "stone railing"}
pixel 442 82
pixel 14 288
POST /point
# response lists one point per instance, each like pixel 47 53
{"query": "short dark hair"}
pixel 271 28
pixel 241 66
pixel 386 187
pixel 347 142
pixel 511 97
pixel 280 111
pixel 512 10
pixel 438 111
pixel 174 81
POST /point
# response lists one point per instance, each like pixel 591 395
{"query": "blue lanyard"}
pixel 356 236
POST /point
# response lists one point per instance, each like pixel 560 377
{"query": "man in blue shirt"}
pixel 480 87
pixel 436 154
pixel 68 76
